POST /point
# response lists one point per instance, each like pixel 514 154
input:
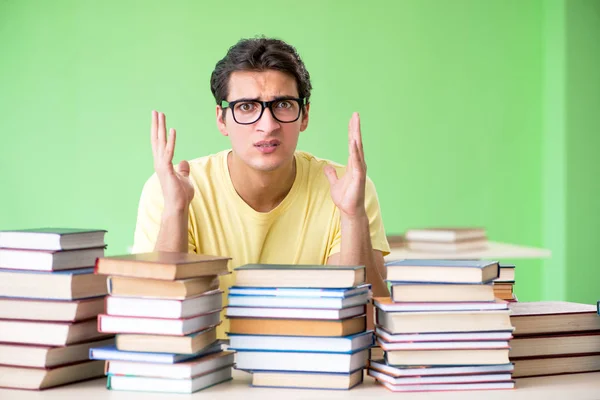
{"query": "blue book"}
pixel 110 353
pixel 299 301
pixel 315 344
pixel 443 271
pixel 598 307
pixel 71 284
pixel 260 360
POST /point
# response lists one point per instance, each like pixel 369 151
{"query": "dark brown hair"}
pixel 259 54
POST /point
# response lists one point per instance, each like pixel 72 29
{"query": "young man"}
pixel 263 201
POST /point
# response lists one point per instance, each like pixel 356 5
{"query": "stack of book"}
pixel 554 338
pixel 49 301
pixel 164 308
pixel 442 328
pixel 446 239
pixel 504 284
pixel 299 325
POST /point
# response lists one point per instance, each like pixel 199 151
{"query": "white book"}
pixel 448 234
pixel 49 260
pixel 396 371
pixel 345 344
pixel 52 238
pixel 297 313
pixel 299 292
pixel 181 370
pixel 146 384
pixel 440 379
pixel 484 344
pixel 443 337
pixel 298 302
pixel 158 326
pixel 301 361
pixel 110 353
pixel 163 308
pixel 449 387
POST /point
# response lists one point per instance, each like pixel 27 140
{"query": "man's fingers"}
pixel 331 174
pixel 170 148
pixel 184 168
pixel 153 132
pixel 162 133
pixel 358 138
pixel 357 165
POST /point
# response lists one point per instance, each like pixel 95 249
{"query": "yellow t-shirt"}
pixel 303 229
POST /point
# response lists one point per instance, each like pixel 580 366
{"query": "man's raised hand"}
pixel 176 186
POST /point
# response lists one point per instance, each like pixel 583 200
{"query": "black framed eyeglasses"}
pixel 248 111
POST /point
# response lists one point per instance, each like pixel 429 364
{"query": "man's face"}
pixel 267 144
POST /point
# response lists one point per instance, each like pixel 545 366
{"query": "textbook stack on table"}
pixel 164 308
pixel 49 301
pixel 446 239
pixel 300 325
pixel 554 338
pixel 442 329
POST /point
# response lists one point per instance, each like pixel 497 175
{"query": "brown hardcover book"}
pixel 553 317
pixel 444 321
pixel 309 380
pixel 40 378
pixel 27 355
pixel 50 310
pixel 299 276
pixel 549 345
pixel 188 344
pixel 558 365
pixel 435 293
pixel 61 285
pixel 159 289
pixel 448 357
pixel 162 265
pixel 295 327
pixel 507 274
pixel 48 333
pixel 442 271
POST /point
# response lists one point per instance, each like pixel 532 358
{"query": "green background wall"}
pixel 465 115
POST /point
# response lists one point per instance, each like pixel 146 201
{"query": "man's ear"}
pixel 221 121
pixel 304 123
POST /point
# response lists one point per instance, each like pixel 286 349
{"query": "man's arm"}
pixel 348 194
pixel 356 249
pixel 173 232
pixel 176 186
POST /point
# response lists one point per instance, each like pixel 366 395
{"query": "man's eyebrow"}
pixel 276 98
pixel 247 99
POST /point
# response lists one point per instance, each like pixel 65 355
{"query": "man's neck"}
pixel 263 191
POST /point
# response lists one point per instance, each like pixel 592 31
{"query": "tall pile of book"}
pixel 49 301
pixel 442 329
pixel 164 308
pixel 446 239
pixel 554 338
pixel 299 325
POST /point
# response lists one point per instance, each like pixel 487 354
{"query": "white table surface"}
pixel 565 387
